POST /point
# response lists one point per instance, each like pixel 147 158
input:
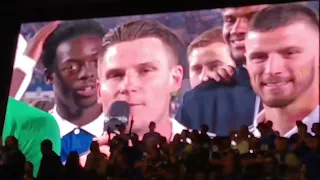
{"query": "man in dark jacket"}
pixel 225 106
pixel 51 166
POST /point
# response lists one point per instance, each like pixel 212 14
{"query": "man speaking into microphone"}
pixel 139 64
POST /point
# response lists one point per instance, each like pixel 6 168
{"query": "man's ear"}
pixel 176 79
pixel 48 77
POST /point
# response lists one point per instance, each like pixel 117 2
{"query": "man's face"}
pixel 152 126
pixel 207 59
pixel 235 27
pixel 283 65
pixel 76 72
pixel 142 73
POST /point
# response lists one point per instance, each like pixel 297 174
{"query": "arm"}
pixel 27 56
pixel 21 76
pixel 22 70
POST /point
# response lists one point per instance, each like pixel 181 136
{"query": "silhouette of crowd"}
pixel 190 155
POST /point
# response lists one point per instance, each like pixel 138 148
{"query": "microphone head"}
pixel 117 116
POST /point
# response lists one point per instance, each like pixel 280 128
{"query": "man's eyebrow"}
pixel 145 64
pixel 257 53
pixel 113 71
pixel 214 62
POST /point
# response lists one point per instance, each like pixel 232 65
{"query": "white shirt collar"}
pixel 95 127
pixel 312 118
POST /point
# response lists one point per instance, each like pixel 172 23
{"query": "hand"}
pixel 43 105
pixel 103 142
pixel 222 74
pixel 35 45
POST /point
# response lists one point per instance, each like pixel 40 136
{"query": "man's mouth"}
pixel 238 43
pixel 275 84
pixel 87 91
pixel 135 104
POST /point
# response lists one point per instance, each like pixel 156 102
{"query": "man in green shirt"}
pixel 30 126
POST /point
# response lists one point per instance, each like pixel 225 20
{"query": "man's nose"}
pixel 129 82
pixel 274 64
pixel 240 26
pixel 88 71
pixel 203 77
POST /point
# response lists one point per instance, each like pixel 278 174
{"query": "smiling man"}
pixel 139 63
pixel 206 54
pixel 70 56
pixel 282 47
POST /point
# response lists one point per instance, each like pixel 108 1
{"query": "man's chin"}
pixel 238 57
pixel 86 102
pixel 277 102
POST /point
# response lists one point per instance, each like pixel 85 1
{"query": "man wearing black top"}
pixel 152 135
pixel 225 106
pixel 13 161
pixel 50 166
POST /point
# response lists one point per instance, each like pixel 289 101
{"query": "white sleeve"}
pixel 25 64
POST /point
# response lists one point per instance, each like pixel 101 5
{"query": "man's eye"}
pixel 229 19
pixel 146 70
pixel 290 53
pixel 72 67
pixel 212 67
pixel 197 69
pixel 115 75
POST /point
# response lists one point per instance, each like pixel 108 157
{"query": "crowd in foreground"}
pixel 190 155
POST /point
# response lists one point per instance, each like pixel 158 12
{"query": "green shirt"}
pixel 30 126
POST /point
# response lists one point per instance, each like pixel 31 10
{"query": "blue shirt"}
pixel 74 138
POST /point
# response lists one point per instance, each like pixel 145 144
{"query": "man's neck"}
pixel 284 119
pixel 79 116
pixel 240 62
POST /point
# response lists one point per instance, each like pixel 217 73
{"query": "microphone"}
pixel 118 114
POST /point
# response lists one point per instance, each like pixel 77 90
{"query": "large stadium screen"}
pixel 219 70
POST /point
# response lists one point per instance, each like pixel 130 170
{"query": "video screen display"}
pixel 217 71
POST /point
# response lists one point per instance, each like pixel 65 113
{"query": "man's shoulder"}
pixel 207 86
pixel 22 109
pixel 23 114
pixel 207 89
pixel 200 93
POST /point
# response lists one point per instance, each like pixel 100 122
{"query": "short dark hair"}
pixel 205 39
pixel 47 144
pixel 66 31
pixel 277 16
pixel 152 123
pixel 142 29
